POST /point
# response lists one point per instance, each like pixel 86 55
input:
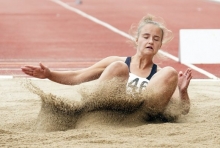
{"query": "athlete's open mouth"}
pixel 149 47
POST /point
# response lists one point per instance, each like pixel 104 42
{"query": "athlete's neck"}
pixel 141 62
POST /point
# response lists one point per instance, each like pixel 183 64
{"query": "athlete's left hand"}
pixel 184 80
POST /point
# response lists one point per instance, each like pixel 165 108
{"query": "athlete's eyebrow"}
pixel 149 34
pixel 146 34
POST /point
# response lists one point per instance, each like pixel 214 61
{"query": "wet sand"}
pixel 29 121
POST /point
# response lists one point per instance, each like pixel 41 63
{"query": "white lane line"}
pixel 92 18
pixel 6 77
pixel 129 36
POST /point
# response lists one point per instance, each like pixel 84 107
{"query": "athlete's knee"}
pixel 119 68
pixel 170 74
pixel 170 70
pixel 115 69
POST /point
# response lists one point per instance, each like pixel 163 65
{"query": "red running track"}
pixel 34 31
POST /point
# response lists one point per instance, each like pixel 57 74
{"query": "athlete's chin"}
pixel 148 53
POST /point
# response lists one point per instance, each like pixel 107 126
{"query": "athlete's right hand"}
pixel 41 71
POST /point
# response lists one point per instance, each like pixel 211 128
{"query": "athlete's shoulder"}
pixel 158 68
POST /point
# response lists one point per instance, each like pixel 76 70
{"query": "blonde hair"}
pixel 150 19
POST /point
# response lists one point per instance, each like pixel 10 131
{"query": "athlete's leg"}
pixel 115 70
pixel 110 91
pixel 160 90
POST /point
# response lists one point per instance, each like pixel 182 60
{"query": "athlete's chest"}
pixel 143 73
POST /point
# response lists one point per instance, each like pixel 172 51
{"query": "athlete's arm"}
pixel 181 90
pixel 70 77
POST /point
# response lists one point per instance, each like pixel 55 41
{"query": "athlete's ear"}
pixel 161 45
pixel 136 41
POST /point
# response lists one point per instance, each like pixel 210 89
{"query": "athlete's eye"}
pixel 156 38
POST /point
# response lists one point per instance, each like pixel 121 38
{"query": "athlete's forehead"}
pixel 151 29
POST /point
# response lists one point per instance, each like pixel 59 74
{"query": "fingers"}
pixel 42 66
pixel 28 71
pixel 31 70
pixel 29 67
pixel 187 73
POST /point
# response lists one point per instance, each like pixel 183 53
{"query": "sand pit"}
pixel 27 122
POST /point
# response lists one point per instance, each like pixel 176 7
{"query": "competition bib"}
pixel 136 84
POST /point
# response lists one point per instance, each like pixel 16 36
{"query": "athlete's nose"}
pixel 151 41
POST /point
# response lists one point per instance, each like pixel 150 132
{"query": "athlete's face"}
pixel 149 40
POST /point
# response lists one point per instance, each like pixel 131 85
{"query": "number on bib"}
pixel 133 84
pixel 143 85
pixel 137 87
